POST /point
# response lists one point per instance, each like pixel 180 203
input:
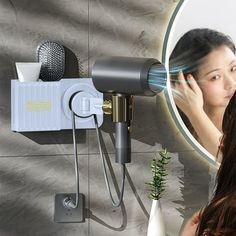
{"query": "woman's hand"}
pixel 192 224
pixel 188 95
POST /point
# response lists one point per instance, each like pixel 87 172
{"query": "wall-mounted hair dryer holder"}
pixel 64 101
pixel 44 106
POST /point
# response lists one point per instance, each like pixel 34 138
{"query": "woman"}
pixel 203 75
pixel 219 217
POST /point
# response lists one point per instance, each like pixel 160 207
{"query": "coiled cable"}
pixel 71 203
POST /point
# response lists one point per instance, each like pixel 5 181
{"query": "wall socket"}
pixel 63 214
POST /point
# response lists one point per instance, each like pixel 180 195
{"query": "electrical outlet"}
pixel 63 214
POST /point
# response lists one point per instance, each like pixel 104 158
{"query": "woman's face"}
pixel 217 77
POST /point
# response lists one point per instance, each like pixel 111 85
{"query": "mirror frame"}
pixel 168 93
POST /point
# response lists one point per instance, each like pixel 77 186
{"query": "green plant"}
pixel 159 173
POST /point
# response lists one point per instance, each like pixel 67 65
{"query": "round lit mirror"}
pixel 189 20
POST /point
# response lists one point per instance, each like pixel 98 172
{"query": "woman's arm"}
pixel 188 97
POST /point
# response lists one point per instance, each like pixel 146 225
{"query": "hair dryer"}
pixel 123 77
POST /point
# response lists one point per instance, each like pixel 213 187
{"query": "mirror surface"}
pixel 189 15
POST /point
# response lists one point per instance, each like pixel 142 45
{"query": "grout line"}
pixel 86 154
pixel 88 161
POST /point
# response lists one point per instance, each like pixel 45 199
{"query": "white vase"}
pixel 156 226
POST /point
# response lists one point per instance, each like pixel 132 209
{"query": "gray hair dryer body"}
pixel 123 77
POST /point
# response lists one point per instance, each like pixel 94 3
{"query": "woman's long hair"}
pixel 219 217
pixel 192 48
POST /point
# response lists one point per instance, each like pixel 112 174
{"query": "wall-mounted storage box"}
pixel 45 106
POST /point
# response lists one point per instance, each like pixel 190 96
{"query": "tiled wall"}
pixel 35 166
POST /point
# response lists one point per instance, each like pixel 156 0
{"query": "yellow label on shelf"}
pixel 38 105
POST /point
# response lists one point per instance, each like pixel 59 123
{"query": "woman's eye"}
pixel 215 77
pixel 233 68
